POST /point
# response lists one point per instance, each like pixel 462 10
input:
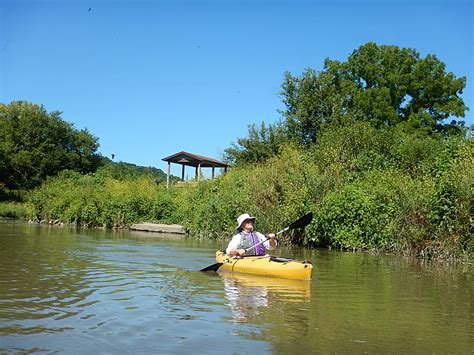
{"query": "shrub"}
pixel 101 201
pixel 16 210
pixel 357 215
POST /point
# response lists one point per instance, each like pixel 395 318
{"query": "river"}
pixel 95 291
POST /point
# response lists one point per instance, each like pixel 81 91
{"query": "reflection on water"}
pixel 247 294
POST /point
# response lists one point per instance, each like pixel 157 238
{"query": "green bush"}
pixel 351 149
pixel 16 210
pixel 358 215
pixel 452 203
pixel 92 200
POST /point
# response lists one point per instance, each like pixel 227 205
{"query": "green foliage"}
pixel 35 144
pixel 364 145
pixel 353 149
pixel 379 189
pixel 259 146
pixel 94 200
pixel 452 203
pixel 312 102
pixel 425 183
pixel 277 193
pixel 123 171
pixel 383 85
pixel 16 210
pixel 358 215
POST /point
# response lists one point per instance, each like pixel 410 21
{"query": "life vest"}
pixel 249 240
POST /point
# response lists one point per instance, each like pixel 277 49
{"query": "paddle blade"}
pixel 213 267
pixel 302 222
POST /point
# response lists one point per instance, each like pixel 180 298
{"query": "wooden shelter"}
pixel 194 160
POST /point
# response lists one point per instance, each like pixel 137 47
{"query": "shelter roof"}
pixel 190 159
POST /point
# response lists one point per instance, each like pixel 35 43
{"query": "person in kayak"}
pixel 246 237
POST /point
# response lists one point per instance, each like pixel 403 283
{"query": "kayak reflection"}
pixel 248 294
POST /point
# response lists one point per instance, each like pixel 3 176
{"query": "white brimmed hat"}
pixel 242 218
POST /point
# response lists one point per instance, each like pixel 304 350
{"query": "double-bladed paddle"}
pixel 300 223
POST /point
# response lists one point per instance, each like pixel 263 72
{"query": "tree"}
pixel 35 144
pixel 384 85
pixel 258 146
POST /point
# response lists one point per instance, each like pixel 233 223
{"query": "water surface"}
pixel 79 291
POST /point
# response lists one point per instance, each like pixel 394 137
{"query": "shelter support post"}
pixel 168 176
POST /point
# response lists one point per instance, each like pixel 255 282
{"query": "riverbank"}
pixel 368 189
pixel 151 229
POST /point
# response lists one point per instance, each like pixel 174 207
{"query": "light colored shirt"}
pixel 236 241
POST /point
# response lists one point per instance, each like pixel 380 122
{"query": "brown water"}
pixel 63 290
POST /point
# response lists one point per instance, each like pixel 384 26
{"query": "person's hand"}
pixel 272 239
pixel 239 253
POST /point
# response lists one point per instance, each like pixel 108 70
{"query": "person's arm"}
pixel 232 247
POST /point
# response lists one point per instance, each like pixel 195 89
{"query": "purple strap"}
pixel 260 249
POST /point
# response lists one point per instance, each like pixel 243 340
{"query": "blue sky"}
pixel 151 78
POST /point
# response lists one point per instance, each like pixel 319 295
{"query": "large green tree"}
pixel 35 144
pixel 384 85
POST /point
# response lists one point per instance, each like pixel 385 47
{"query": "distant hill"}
pixel 122 170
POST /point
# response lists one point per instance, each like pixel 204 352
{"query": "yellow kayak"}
pixel 267 266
